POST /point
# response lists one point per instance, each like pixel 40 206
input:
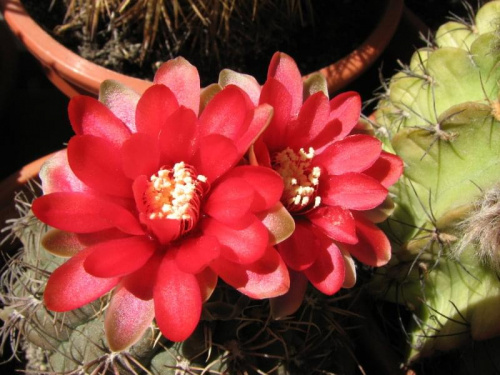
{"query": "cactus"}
pixel 236 335
pixel 440 114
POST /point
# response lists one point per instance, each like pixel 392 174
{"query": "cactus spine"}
pixel 441 117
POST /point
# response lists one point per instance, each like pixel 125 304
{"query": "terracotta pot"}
pixel 74 75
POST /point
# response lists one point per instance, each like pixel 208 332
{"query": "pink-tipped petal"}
pixel 119 257
pixel 121 100
pixel 242 245
pixel 345 110
pixel 300 250
pixel 267 184
pixel 88 116
pixel 355 153
pixel 71 287
pixel 177 299
pixel 350 270
pixel 208 281
pixel 336 222
pixel 354 191
pixel 276 95
pixel 195 254
pixel 56 175
pixel 284 69
pixel 178 138
pixel 266 278
pixel 155 106
pixel 244 81
pixel 97 163
pixel 82 213
pixel 230 200
pixel 225 114
pixel 140 156
pixel 373 248
pixel 183 79
pixel 61 243
pixel 127 319
pixel 279 223
pixel 387 169
pixel 289 303
pixel 327 274
pixel 215 156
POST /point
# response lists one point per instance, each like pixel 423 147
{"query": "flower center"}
pixel 301 179
pixel 176 193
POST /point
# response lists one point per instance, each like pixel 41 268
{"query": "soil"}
pixel 339 27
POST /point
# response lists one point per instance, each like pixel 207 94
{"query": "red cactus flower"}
pixel 149 199
pixel 334 178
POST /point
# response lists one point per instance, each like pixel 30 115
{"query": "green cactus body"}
pixel 441 117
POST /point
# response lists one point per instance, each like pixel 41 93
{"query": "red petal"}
pixel 312 119
pixel 140 156
pixel 262 117
pixel 165 230
pixel 387 169
pixel 141 282
pixel 178 136
pixel 208 281
pixel 121 100
pixel 71 287
pixel 215 156
pixel 178 300
pixel 266 278
pixel 345 110
pixel 155 106
pixel 284 69
pixel 267 184
pixel 328 272
pixel 89 116
pixel 225 114
pixel 276 95
pixel 336 222
pixel 355 153
pixel 183 80
pixel 82 213
pixel 373 248
pixel 194 254
pixel 97 163
pixel 354 191
pixel 119 257
pixel 290 302
pixel 56 175
pixel 230 200
pixel 299 251
pixel 242 245
pixel 127 318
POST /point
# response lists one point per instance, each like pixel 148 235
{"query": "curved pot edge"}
pixel 69 72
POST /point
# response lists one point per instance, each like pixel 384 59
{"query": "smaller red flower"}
pixel 149 199
pixel 335 178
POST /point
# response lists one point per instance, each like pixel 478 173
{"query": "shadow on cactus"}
pixel 441 117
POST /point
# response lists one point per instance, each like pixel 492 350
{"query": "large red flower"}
pixel 334 178
pixel 150 199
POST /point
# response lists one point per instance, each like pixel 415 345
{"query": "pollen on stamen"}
pixel 175 194
pixel 301 179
